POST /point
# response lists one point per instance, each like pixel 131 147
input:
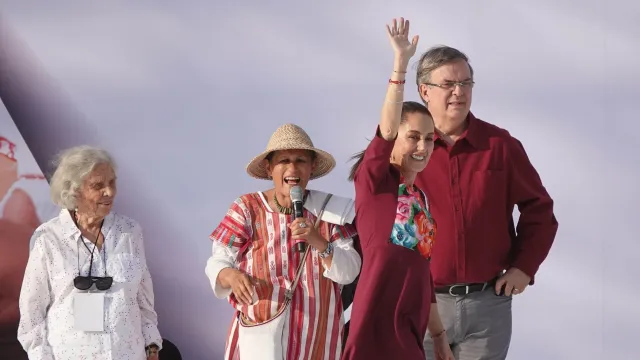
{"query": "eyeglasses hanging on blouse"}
pixel 103 283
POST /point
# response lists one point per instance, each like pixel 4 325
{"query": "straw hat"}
pixel 291 137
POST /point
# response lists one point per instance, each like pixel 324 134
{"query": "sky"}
pixel 185 95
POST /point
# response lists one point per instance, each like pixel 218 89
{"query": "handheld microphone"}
pixel 297 196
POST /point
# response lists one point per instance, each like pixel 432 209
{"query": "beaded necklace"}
pixel 282 209
pixel 285 210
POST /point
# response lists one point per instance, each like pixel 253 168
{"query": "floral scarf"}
pixel 414 228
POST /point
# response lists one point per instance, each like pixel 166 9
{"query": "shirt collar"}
pixel 473 134
pixel 72 232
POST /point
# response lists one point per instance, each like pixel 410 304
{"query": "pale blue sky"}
pixel 185 95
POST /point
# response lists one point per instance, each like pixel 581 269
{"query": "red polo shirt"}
pixel 473 187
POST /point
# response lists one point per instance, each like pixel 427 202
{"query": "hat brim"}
pixel 324 163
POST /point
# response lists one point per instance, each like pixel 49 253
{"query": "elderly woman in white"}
pixel 87 292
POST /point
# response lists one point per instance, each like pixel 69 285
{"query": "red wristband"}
pixel 397 82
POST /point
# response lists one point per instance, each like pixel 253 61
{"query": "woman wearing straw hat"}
pixel 287 299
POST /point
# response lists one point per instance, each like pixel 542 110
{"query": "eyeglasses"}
pixel 103 283
pixel 86 282
pixel 449 85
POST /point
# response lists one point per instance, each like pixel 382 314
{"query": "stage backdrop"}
pixel 184 95
pixel 24 204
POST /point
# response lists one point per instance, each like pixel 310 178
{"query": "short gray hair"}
pixel 71 168
pixel 436 57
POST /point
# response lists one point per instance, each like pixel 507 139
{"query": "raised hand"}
pixel 391 115
pixel 399 37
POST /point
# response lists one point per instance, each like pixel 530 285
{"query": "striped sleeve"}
pixel 235 228
pixel 343 232
pixel 346 262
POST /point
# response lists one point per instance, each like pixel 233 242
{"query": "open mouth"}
pixel 417 157
pixel 456 103
pixel 291 180
pixel 105 203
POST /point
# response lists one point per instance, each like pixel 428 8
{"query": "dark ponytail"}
pixel 408 107
pixel 358 158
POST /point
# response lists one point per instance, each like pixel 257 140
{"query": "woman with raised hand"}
pixel 394 302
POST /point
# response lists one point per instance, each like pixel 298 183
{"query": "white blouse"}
pixel 46 328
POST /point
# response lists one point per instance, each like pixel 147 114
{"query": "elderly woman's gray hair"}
pixel 71 168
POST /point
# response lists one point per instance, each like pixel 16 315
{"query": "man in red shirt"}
pixel 476 176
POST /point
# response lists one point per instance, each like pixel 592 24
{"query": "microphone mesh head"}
pixel 296 193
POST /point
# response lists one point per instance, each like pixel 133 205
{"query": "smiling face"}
pixel 289 168
pixel 95 196
pixel 414 144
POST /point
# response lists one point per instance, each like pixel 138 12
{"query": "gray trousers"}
pixel 478 325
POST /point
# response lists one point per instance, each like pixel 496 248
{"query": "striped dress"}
pixel 262 241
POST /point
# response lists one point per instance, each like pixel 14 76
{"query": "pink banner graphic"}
pixel 24 204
